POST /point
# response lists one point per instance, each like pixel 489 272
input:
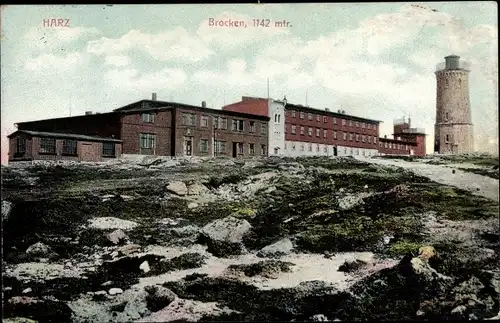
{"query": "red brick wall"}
pixel 331 125
pixel 198 133
pixel 33 147
pixel 250 106
pixel 133 126
pixel 398 128
pixel 395 150
pixel 102 125
pixel 420 149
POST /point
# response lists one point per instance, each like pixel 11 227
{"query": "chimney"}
pixel 203 104
pixel 153 97
pixel 88 113
pixel 327 110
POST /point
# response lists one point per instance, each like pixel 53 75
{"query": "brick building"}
pixel 146 127
pixel 296 130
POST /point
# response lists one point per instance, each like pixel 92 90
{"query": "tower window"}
pixel 446 115
pixel 447 138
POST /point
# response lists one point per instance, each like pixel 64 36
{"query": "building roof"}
pixel 330 113
pixel 412 143
pixel 63 135
pixel 150 105
pixel 87 116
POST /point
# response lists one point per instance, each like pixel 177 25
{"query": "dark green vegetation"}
pixel 490 172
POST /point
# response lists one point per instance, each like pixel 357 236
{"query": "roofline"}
pixel 331 113
pixel 35 133
pixel 396 140
pixel 72 117
pixel 176 105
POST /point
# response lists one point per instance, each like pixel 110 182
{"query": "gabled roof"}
pixel 63 135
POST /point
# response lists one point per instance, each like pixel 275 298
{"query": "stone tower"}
pixel 453 127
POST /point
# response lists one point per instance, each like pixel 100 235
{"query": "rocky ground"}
pixel 277 239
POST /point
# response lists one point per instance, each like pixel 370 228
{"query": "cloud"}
pixel 131 79
pixel 55 63
pixel 118 60
pixel 175 44
pixel 45 38
pixel 234 37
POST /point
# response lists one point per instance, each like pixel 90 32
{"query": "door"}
pixel 235 149
pixel 188 146
pixel 87 152
pixel 334 151
pixel 276 150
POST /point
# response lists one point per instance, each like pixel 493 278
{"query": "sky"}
pixel 374 60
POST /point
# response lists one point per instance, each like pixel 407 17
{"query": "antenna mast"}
pixel 306 99
pixel 268 87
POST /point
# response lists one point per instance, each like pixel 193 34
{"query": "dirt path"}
pixel 488 187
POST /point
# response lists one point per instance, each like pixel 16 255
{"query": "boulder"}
pixel 177 188
pixel 267 268
pixel 352 265
pixel 277 249
pixel 117 236
pixel 319 318
pixel 45 310
pixel 197 189
pixel 129 249
pixel 6 208
pixel 110 223
pixel 158 297
pixel 224 236
pixel 115 291
pixel 40 250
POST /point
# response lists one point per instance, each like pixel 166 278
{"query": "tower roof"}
pixel 452 56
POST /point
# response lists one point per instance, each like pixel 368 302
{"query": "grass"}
pixel 403 247
pixel 493 173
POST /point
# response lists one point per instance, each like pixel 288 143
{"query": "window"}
pixel 317 118
pixel 406 147
pixel 215 122
pixel 301 115
pixel 47 145
pixel 204 121
pixel 370 139
pixel 279 118
pixel 310 131
pixel 204 145
pixel 351 123
pixel 363 125
pixel 294 129
pixel 325 149
pixel 344 122
pixel 276 118
pixel 223 123
pixel 108 149
pixel 357 151
pixel 317 148
pixel 302 131
pixel 240 148
pixel 302 147
pixel 385 145
pixel 335 135
pixel 148 117
pixel 325 119
pixel 357 124
pixel 345 135
pixel 252 149
pixel 148 141
pixel 374 140
pixel 390 145
pixel 362 138
pixel 446 116
pixel 220 146
pixel 285 145
pixel 325 133
pixel 293 146
pixel 293 114
pixel 237 125
pixel 252 126
pixel 310 147
pixel 310 116
pixel 334 120
pixel 20 146
pixel 263 149
pixel 351 136
pixel 317 132
pixel 189 119
pixel 263 128
pixel 357 137
pixel 69 147
pixel 369 126
pixel 447 139
pixel 374 127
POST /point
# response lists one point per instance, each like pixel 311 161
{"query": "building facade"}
pixel 150 127
pixel 26 145
pixel 453 127
pixel 296 130
pixel 406 140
